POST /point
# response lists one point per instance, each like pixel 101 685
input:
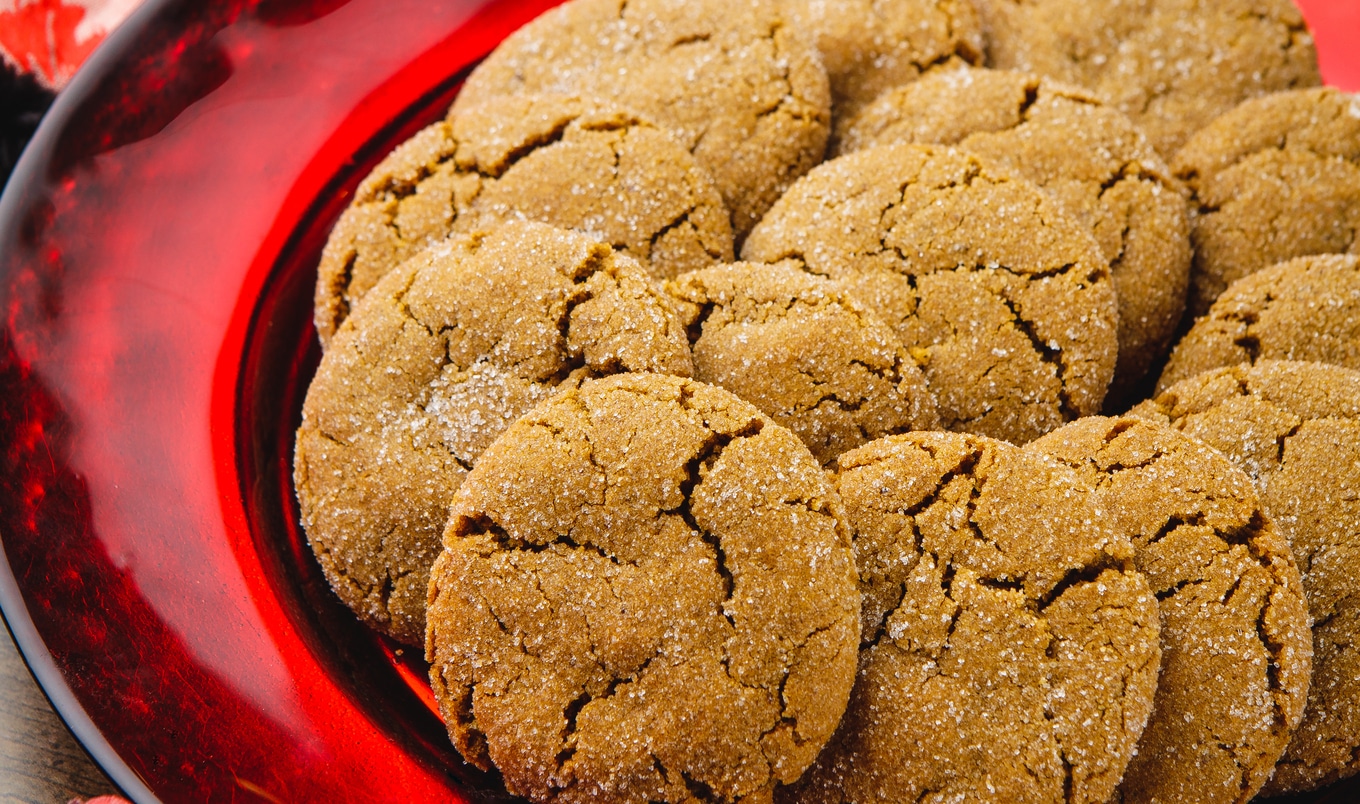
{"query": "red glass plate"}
pixel 158 244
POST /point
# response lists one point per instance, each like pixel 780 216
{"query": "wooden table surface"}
pixel 40 762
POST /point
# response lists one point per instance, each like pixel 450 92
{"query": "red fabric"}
pixel 41 36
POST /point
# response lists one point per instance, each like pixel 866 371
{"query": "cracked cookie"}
pixel 869 46
pixel 1087 155
pixel 646 593
pixel 1295 428
pixel 1236 648
pixel 1170 65
pixel 1009 648
pixel 1004 301
pixel 436 361
pixel 744 91
pixel 573 162
pixel 1276 178
pixel 803 351
pixel 1305 309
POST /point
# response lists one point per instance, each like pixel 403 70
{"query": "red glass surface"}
pixel 158 246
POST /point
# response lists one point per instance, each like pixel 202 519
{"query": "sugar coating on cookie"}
pixel 573 162
pixel 1170 65
pixel 805 352
pixel 736 84
pixel 1305 309
pixel 1275 178
pixel 870 46
pixel 1009 648
pixel 436 361
pixel 1295 428
pixel 1236 646
pixel 646 593
pixel 1004 300
pixel 1087 155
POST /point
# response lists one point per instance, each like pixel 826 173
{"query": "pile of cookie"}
pixel 843 521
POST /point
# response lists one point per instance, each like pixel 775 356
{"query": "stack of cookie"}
pixel 843 521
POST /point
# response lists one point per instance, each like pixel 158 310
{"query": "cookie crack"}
pixel 1048 354
pixel 1027 102
pixel 1086 574
pixel 695 469
pixel 396 189
pixel 1174 523
pixel 680 220
pixel 532 143
pixel 468 527
pixel 871 641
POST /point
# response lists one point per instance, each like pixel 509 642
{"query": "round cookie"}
pixel 1276 178
pixel 1170 65
pixel 1304 309
pixel 574 162
pixel 1087 155
pixel 1236 646
pixel 869 46
pixel 1295 429
pixel 804 352
pixel 737 85
pixel 647 593
pixel 1009 648
pixel 439 358
pixel 1004 300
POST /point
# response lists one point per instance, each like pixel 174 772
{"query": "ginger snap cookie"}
pixel 869 46
pixel 1087 155
pixel 1275 178
pixel 737 85
pixel 1236 646
pixel 573 162
pixel 1009 648
pixel 803 351
pixel 1004 300
pixel 1170 65
pixel 1295 429
pixel 646 593
pixel 1305 309
pixel 436 361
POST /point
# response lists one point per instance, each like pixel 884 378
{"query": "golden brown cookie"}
pixel 1304 309
pixel 869 46
pixel 573 162
pixel 647 593
pixel 1295 428
pixel 1009 650
pixel 805 353
pixel 1170 65
pixel 1004 300
pixel 1275 178
pixel 1087 155
pixel 436 361
pixel 1236 646
pixel 737 85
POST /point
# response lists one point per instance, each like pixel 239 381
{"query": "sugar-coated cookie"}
pixel 436 361
pixel 870 46
pixel 1304 309
pixel 1087 155
pixel 1004 300
pixel 1277 177
pixel 1010 648
pixel 1171 65
pixel 1236 645
pixel 804 351
pixel 646 593
pixel 1295 428
pixel 740 87
pixel 573 162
